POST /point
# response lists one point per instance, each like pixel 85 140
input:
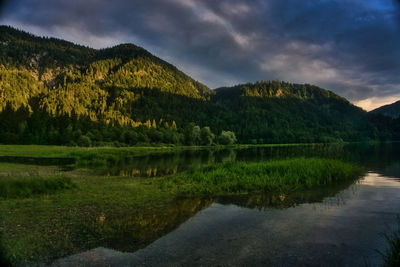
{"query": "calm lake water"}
pixel 338 226
pixel 375 156
pixel 342 225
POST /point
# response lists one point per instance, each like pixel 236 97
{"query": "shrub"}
pixel 85 141
pixel 227 138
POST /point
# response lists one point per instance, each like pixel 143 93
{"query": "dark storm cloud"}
pixel 349 46
pixel 2 5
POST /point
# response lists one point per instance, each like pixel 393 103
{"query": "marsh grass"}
pixel 21 187
pixel 280 176
pixel 391 256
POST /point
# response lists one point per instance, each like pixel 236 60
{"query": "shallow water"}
pixel 343 230
pixel 339 226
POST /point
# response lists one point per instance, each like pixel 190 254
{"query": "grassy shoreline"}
pixel 276 176
pixel 101 156
pixel 69 151
pixel 49 225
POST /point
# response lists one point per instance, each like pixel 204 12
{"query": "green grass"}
pixel 280 176
pixel 42 228
pixel 77 152
pixel 22 187
pixel 22 170
pixel 128 213
pixel 66 151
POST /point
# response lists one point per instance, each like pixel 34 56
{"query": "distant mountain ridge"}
pixel 56 92
pixel 391 110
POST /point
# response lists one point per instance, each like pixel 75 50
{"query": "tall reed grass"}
pixel 273 176
pixel 391 256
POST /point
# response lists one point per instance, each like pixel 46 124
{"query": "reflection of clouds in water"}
pixel 379 180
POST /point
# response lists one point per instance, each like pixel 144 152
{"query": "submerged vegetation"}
pixel 280 176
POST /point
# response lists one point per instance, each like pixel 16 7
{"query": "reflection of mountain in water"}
pixel 344 230
pixel 167 163
pixel 126 231
pixel 123 232
pixel 329 195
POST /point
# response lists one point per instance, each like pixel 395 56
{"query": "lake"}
pixel 342 225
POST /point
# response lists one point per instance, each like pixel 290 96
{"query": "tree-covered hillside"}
pixel 53 86
pixel 281 112
pixel 392 110
pixel 55 92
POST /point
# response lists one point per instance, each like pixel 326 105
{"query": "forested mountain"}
pixel 281 112
pixel 50 86
pixel 55 92
pixel 392 110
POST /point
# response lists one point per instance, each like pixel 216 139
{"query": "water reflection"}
pixel 329 196
pixel 342 230
pixel 383 158
pixel 143 172
pixel 127 230
pixel 166 163
pixel 315 222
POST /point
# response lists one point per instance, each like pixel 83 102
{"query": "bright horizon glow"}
pixel 376 102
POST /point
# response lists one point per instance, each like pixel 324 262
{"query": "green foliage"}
pixel 281 112
pixel 392 110
pixel 227 138
pixel 52 90
pixel 84 141
pixel 280 176
pixel 206 136
pixel 18 187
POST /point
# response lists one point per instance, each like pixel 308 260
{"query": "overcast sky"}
pixel 351 47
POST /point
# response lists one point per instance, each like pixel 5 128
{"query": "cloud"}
pixel 351 47
pixel 376 102
pixel 2 5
